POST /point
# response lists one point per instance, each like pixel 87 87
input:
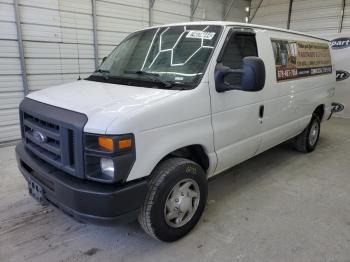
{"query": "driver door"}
pixel 236 114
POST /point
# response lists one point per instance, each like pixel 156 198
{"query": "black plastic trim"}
pixel 66 120
pixel 123 159
pixel 82 199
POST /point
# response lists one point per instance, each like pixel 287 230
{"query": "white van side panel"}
pixel 235 120
pixel 232 116
pixel 183 119
pixel 289 104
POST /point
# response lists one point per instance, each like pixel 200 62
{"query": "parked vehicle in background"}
pixel 170 107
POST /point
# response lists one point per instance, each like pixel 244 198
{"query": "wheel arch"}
pixel 319 111
pixel 195 152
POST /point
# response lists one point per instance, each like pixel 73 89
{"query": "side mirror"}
pixel 252 76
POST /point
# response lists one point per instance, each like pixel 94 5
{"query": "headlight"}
pixel 109 158
pixel 107 167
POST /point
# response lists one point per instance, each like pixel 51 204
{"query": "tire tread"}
pixel 301 140
pixel 158 176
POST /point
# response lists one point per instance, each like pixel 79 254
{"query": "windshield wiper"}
pixel 153 76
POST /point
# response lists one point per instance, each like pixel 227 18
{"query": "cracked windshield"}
pixel 166 56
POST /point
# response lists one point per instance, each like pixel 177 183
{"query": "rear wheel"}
pixel 175 200
pixel 306 141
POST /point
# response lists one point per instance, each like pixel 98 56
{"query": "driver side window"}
pixel 238 47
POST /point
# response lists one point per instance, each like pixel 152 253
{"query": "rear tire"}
pixel 306 141
pixel 175 199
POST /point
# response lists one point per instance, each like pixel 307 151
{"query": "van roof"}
pixel 226 23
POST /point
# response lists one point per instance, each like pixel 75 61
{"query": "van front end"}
pixel 82 174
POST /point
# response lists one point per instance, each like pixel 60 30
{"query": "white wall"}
pixel 317 17
pixel 238 12
pixel 11 89
pixel 270 12
pixel 57 32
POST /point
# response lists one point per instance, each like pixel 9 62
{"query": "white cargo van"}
pixel 170 107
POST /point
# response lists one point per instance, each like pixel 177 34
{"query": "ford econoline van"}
pixel 170 107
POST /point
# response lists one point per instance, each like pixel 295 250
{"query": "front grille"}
pixel 54 135
pixel 52 149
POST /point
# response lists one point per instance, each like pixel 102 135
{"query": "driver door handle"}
pixel 261 113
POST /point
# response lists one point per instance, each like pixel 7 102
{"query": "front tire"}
pixel 306 141
pixel 175 200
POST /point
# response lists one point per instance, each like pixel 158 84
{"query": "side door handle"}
pixel 261 113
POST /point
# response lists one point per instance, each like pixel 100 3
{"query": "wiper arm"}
pixel 102 71
pixel 105 73
pixel 150 75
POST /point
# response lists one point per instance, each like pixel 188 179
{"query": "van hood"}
pixel 102 103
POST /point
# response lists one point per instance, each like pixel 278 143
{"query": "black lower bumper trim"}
pixel 84 200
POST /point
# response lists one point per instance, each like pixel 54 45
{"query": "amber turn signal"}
pixel 125 143
pixel 106 143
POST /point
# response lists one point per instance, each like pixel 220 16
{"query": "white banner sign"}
pixel 341 54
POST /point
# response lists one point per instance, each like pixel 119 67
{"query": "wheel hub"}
pixel 182 203
pixel 314 133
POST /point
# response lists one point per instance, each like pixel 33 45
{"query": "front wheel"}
pixel 306 141
pixel 175 200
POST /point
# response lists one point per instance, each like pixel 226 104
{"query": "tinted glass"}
pixel 176 54
pixel 238 47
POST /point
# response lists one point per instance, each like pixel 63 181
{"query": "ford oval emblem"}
pixel 342 75
pixel 340 43
pixel 39 137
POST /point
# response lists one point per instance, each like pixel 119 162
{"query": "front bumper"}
pixel 84 200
